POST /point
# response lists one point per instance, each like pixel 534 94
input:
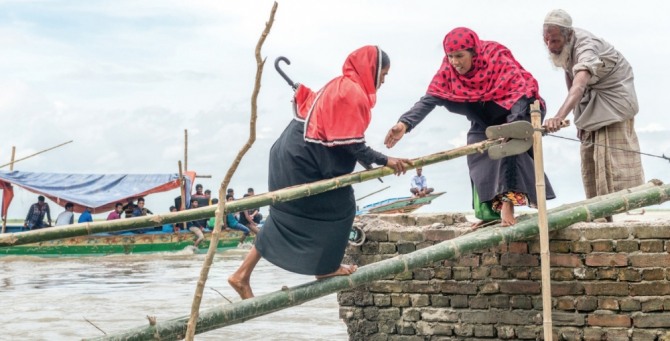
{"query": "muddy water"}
pixel 51 298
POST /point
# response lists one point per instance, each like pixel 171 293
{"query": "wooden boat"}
pixel 125 243
pixel 398 205
pixel 100 192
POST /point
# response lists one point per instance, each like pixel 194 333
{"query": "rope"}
pixel 601 145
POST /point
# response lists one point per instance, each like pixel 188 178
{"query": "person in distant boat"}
pixel 198 192
pixel 140 210
pixel 116 214
pixel 196 226
pixel 484 82
pixel 129 207
pixel 255 213
pixel 250 217
pixel 36 213
pixel 85 217
pixel 208 195
pixel 66 217
pixel 602 97
pixel 324 140
pixel 420 185
pixel 234 224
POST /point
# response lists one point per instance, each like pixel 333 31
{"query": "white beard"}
pixel 561 60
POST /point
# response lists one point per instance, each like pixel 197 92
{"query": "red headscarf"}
pixel 495 74
pixel 340 112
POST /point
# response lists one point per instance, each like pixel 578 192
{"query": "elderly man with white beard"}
pixel 602 95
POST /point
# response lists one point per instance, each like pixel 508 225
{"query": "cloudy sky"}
pixel 123 79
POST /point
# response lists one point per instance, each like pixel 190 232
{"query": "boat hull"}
pixel 121 244
pixel 399 205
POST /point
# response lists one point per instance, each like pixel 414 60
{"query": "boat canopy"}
pixel 100 192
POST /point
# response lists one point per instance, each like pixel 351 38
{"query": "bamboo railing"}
pixel 241 311
pixel 270 198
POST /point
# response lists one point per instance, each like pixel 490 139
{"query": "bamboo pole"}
pixel 11 168
pixel 259 200
pixel 186 149
pixel 538 157
pixel 34 154
pixel 222 207
pixel 11 161
pixel 375 192
pixel 484 238
pixel 182 190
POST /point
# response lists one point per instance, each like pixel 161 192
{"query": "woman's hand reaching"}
pixel 395 134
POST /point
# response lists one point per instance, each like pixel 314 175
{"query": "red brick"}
pixel 609 320
pixel 566 288
pixel 514 259
pixel 607 259
pixel 520 287
pixel 650 260
pixel 658 288
pixel 606 288
pixel 566 260
pixel 518 247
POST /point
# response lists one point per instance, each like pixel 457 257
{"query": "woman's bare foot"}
pixel 507 214
pixel 241 286
pixel 343 270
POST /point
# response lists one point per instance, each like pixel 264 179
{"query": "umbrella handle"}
pixel 281 72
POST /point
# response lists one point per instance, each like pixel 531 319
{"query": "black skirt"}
pixel 308 235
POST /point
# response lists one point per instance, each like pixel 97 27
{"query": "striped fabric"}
pixel 606 170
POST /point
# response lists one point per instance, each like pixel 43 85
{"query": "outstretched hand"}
pixel 395 134
pixel 398 165
pixel 554 124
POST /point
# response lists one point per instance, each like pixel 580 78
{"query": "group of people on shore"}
pixel 478 79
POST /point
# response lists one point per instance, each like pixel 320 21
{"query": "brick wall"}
pixel 610 281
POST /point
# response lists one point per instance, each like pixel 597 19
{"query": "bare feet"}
pixel 241 286
pixel 507 214
pixel 343 270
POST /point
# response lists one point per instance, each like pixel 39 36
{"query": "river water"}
pixel 51 298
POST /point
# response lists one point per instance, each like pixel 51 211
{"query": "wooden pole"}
pixel 227 314
pixel 11 161
pixel 222 207
pixel 536 120
pixel 186 150
pixel 11 168
pixel 375 192
pixel 31 155
pixel 182 183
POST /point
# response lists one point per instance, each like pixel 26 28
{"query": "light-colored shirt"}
pixel 65 218
pixel 419 182
pixel 610 93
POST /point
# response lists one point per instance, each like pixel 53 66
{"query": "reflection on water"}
pixel 50 298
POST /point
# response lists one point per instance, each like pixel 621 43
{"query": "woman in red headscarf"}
pixel 323 141
pixel 483 81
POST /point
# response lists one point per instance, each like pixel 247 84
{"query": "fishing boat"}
pixel 124 243
pixel 100 192
pixel 398 205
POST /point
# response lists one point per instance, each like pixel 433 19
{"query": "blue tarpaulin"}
pixel 98 191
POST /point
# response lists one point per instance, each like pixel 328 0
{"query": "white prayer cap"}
pixel 558 17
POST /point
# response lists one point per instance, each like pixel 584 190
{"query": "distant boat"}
pixel 124 243
pixel 398 205
pixel 100 192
